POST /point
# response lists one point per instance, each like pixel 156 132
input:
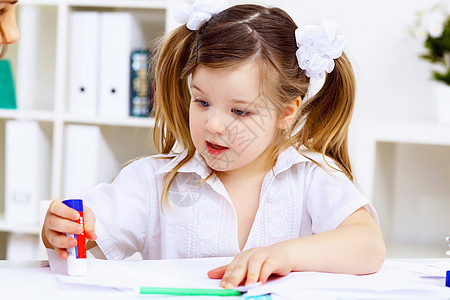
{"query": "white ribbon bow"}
pixel 318 47
pixel 199 12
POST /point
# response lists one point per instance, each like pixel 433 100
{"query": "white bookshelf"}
pixel 128 137
pixel 404 168
pixel 382 151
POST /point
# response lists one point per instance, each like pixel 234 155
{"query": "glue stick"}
pixel 76 261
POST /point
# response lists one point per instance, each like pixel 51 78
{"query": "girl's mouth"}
pixel 215 149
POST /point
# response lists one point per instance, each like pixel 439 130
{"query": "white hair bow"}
pixel 318 47
pixel 199 12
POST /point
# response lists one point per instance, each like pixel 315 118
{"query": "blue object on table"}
pixel 447 279
pixel 7 94
pixel 261 297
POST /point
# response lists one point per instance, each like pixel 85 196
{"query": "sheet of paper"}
pixel 436 268
pixel 186 273
pixel 396 278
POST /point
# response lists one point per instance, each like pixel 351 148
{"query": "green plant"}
pixel 433 28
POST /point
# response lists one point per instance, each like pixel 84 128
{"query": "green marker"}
pixel 188 292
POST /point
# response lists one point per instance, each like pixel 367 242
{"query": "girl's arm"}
pixel 356 246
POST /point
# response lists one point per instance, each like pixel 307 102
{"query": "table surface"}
pixel 34 280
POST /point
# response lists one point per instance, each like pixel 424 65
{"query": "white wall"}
pixel 392 81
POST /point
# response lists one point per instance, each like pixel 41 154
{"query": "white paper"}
pixel 395 279
pixel 184 273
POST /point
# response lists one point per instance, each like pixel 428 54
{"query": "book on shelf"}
pixel 141 84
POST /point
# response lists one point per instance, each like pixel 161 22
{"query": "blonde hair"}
pixel 232 37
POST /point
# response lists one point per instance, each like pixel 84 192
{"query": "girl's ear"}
pixel 289 113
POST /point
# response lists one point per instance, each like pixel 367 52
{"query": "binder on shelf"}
pixel 36 62
pixel 141 84
pixel 22 247
pixel 7 94
pixel 83 62
pixel 27 64
pixel 120 34
pixel 88 160
pixel 27 171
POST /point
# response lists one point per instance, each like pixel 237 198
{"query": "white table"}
pixel 33 280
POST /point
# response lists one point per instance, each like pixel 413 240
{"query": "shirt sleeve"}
pixel 121 212
pixel 331 197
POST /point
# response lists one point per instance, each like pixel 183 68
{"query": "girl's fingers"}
pixel 60 209
pixel 272 266
pixel 62 253
pixel 90 235
pixel 254 268
pixel 266 270
pixel 58 224
pixel 217 273
pixel 60 240
pixel 235 273
pixel 89 224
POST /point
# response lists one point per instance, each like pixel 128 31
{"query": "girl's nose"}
pixel 12 34
pixel 215 123
pixel 9 28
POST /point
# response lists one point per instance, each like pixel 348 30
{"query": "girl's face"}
pixel 8 22
pixel 231 122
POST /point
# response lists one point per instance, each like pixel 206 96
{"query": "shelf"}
pixel 406 132
pixel 119 3
pixel 49 116
pixel 98 120
pixel 155 4
pixel 14 114
pixel 20 229
pixel 39 2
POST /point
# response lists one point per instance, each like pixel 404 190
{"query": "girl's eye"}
pixel 2 11
pixel 203 103
pixel 240 113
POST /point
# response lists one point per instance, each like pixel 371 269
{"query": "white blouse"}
pixel 298 198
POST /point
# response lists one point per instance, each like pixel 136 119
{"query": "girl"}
pixel 9 34
pixel 263 175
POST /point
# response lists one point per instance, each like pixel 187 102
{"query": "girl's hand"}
pixel 59 221
pixel 255 265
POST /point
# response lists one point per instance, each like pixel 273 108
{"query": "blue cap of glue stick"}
pixel 76 204
pixel 447 279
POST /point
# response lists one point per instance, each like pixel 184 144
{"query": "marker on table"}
pixel 195 292
pixel 188 291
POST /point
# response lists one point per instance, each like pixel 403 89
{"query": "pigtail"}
pixel 326 117
pixel 172 95
pixel 172 99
